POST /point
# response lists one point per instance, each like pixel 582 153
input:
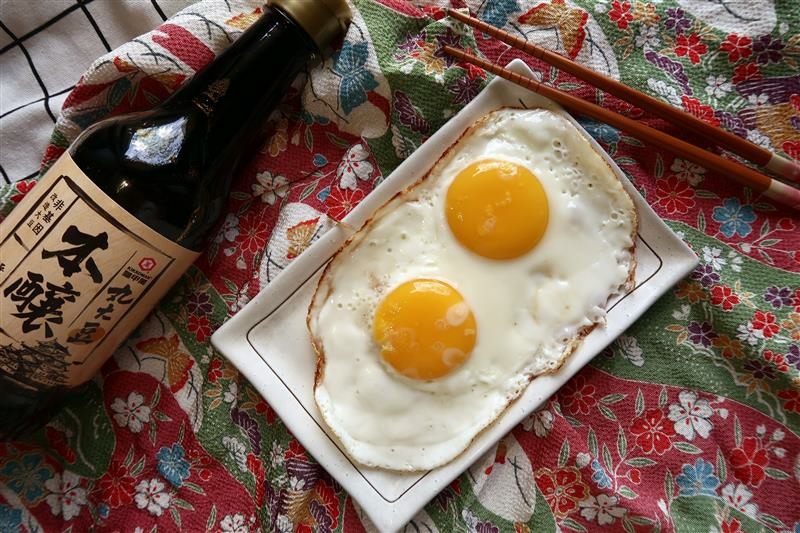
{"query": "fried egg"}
pixel 487 272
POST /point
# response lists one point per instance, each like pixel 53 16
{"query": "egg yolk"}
pixel 424 328
pixel 497 209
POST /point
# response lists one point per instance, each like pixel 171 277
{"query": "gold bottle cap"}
pixel 323 20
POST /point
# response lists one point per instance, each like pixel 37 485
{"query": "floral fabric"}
pixel 690 421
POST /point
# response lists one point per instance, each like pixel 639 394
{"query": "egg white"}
pixel 530 311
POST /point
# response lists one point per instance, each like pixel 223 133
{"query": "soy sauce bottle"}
pixel 120 217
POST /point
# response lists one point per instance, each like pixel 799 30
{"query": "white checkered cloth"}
pixel 45 45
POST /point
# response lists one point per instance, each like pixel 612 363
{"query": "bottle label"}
pixel 77 274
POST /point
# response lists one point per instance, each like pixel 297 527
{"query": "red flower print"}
pixel 562 489
pixel 791 400
pixel 700 110
pixel 578 396
pixel 620 13
pixel 635 475
pixel 200 461
pixel 200 327
pixel 792 148
pixel 629 110
pixel 295 450
pixel 731 526
pixel 765 322
pixel 786 224
pixel 116 486
pixel 214 370
pixel 653 431
pixel 436 13
pixel 473 72
pixel 23 188
pixel 796 300
pixel 748 71
pixel 795 101
pixel 777 360
pixel 263 408
pixel 253 233
pixel 737 47
pixel 342 201
pixel 691 47
pixel 674 195
pixel 724 297
pixel 749 462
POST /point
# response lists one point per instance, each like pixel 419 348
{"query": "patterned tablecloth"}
pixel 690 421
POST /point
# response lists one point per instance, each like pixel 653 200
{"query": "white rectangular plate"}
pixel 269 344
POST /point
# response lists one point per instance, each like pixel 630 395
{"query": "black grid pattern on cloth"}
pixel 45 45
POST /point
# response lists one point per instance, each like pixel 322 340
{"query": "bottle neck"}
pixel 249 78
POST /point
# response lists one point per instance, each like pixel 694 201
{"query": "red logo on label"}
pixel 147 264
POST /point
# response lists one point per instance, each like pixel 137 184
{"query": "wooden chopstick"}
pixel 782 166
pixel 771 188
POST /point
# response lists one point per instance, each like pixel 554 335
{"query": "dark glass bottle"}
pixel 171 168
